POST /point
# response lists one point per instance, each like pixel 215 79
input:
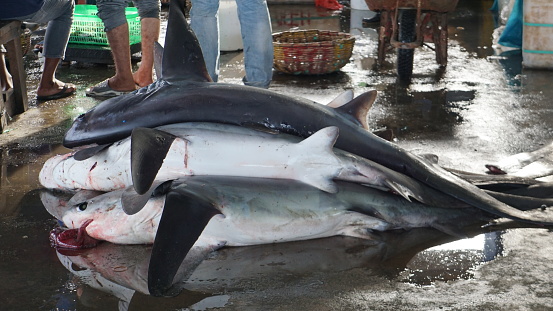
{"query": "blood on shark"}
pixel 185 93
pixel 153 156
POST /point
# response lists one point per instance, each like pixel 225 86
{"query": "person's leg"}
pixel 255 24
pixel 59 15
pixel 149 33
pixel 49 85
pixel 6 80
pixel 118 38
pixel 204 23
pixel 113 16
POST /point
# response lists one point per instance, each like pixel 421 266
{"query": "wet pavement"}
pixel 482 107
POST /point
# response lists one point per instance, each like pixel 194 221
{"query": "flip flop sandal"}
pixel 61 94
pixel 38 47
pixel 102 89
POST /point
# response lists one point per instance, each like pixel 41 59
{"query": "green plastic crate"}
pixel 88 28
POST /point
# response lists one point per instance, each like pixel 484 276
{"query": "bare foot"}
pixel 56 87
pixel 122 86
pixel 141 79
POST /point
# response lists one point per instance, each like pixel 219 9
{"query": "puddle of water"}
pixel 477 109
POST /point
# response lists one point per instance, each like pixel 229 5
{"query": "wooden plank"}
pixel 10 32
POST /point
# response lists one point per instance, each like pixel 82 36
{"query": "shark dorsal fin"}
pixel 322 139
pixel 321 142
pixel 158 58
pixel 182 56
pixel 359 107
pixel 342 99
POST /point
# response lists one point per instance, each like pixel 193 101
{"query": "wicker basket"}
pixel 311 52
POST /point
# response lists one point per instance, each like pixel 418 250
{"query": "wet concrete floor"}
pixel 482 107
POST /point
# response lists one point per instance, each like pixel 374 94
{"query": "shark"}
pixel 186 93
pixel 210 212
pixel 150 157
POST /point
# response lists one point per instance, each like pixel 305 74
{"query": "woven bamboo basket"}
pixel 311 52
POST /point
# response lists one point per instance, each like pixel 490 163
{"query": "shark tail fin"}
pixel 149 148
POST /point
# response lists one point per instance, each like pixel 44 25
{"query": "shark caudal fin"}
pixel 358 108
pixel 184 218
pixel 182 55
pixel 148 150
pixel 524 203
pixel 321 143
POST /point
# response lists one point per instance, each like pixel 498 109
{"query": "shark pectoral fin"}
pixel 430 157
pixel 321 183
pixel 86 153
pixel 359 107
pixel 148 150
pixel 386 134
pixel 133 202
pixel 399 189
pixel 182 222
pixel 158 57
pixel 342 99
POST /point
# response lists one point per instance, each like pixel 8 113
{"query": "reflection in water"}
pixel 454 260
pixel 120 271
pixel 34 279
pixel 424 111
pixel 511 61
pixel 17 179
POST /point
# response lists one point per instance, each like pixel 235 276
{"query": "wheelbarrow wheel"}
pixel 407 33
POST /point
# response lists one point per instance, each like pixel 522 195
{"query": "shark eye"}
pixel 82 206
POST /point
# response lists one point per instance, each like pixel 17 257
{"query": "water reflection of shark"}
pixel 121 270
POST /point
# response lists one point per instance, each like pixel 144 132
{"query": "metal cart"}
pixel 407 24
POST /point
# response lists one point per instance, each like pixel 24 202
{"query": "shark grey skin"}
pixel 206 212
pixel 209 211
pixel 185 93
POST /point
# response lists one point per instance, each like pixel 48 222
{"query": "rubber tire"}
pixel 406 34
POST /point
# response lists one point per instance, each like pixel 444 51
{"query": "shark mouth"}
pixel 72 238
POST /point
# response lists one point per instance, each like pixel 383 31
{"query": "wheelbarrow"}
pixel 408 24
